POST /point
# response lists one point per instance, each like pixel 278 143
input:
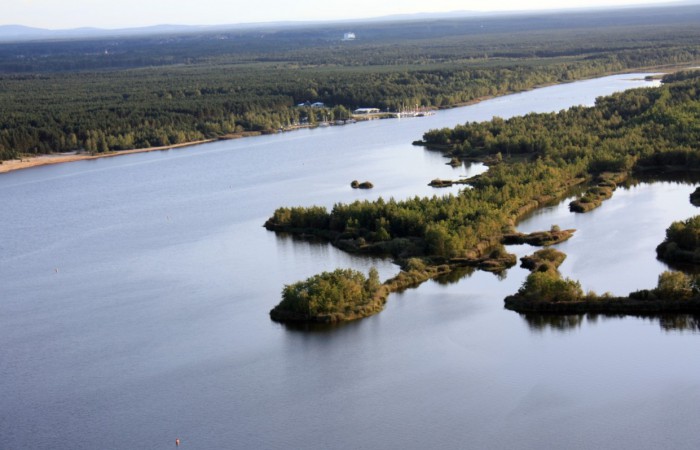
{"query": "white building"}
pixel 366 111
pixel 349 37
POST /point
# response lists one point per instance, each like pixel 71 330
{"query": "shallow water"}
pixel 134 294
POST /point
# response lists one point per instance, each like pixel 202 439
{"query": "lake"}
pixel 135 291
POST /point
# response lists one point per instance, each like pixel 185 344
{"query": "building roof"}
pixel 365 110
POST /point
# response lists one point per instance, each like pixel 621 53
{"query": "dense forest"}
pixel 540 157
pixel 133 92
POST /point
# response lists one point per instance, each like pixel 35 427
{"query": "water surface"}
pixel 134 299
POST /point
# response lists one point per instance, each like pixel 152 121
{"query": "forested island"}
pixel 104 96
pixel 540 158
pixel 343 294
pixel 682 243
pixel 95 96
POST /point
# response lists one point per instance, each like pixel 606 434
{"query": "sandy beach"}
pixel 57 158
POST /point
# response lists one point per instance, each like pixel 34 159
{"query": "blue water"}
pixel 134 299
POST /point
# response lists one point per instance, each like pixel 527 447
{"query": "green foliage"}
pixel 544 260
pixel 695 197
pixel 682 243
pixel 301 218
pixel 416 264
pixel 72 95
pixel 342 291
pixel 550 287
pixel 676 285
pixel 562 145
pixel 686 234
pixel 616 136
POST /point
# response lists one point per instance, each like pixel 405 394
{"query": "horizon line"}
pixel 389 17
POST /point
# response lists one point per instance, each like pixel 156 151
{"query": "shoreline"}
pixel 11 165
pixel 351 229
pixel 59 158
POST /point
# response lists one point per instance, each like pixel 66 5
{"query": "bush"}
pixel 550 287
pixel 675 285
pixel 342 291
pixel 685 233
pixel 415 264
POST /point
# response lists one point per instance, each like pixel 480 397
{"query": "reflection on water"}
pixel 157 324
pixel 317 328
pixel 455 276
pixel 565 323
pixel 620 237
pixel 680 322
pixel 660 176
pixel 541 322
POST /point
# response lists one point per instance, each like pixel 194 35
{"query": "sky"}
pixel 62 14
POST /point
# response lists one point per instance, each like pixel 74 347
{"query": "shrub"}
pixel 341 291
pixel 675 285
pixel 550 287
pixel 415 264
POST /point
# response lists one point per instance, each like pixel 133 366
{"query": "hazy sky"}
pixel 56 14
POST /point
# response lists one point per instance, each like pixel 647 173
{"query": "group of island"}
pixel 533 160
pixel 86 98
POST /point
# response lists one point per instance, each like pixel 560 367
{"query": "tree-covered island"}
pixel 343 294
pixel 542 156
pixel 682 243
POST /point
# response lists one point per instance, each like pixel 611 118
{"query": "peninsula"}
pixel 533 159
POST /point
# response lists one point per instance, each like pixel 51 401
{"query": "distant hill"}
pixel 9 33
pixel 22 33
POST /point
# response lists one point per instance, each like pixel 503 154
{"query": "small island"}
pixel 439 183
pixel 330 297
pixel 544 260
pixel 695 197
pixel 548 293
pixel 596 195
pixel 545 291
pixel 364 185
pixel 346 294
pixel 539 238
pixel 682 243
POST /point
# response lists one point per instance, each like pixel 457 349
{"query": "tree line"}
pixel 542 156
pixel 242 82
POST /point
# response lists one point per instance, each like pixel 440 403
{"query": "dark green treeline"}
pixel 541 156
pixel 117 94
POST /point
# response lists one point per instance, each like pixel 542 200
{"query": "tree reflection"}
pixel 680 322
pixel 563 323
pixel 502 275
pixel 455 275
pixel 317 328
pixel 542 322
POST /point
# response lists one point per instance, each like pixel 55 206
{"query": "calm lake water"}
pixel 134 299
